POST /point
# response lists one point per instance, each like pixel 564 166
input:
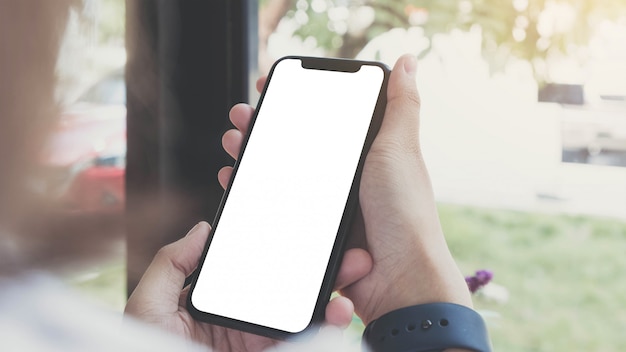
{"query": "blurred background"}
pixel 523 131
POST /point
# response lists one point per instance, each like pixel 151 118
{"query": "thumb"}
pixel 401 122
pixel 161 284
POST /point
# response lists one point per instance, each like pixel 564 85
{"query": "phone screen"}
pixel 279 221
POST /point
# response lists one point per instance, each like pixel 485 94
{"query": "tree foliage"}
pixel 526 29
pixel 112 21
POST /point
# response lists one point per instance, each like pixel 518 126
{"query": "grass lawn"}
pixel 105 283
pixel 566 277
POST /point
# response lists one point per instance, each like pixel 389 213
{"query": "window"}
pixel 82 171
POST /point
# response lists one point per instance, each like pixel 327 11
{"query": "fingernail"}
pixel 410 65
pixel 192 229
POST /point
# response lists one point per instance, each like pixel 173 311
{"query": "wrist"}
pixel 431 276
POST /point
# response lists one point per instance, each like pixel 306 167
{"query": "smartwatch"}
pixel 427 328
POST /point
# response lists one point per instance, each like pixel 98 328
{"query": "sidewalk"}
pixel 573 189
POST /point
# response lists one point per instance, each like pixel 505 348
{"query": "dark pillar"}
pixel 188 63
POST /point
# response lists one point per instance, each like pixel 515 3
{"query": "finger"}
pixel 356 264
pixel 260 83
pixel 160 286
pixel 231 141
pixel 223 176
pixel 401 123
pixel 339 311
pixel 240 115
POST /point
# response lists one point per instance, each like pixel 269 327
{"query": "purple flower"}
pixel 480 279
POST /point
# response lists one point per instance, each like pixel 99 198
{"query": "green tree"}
pixel 112 22
pixel 527 29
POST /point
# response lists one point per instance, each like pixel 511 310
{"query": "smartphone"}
pixel 277 240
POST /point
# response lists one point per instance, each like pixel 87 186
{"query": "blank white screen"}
pixel 271 247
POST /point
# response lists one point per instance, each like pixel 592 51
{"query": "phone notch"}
pixel 315 63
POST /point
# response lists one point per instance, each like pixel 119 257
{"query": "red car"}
pixel 83 165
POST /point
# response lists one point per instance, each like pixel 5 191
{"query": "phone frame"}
pixel 318 63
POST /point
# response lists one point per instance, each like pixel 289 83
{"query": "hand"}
pixel 399 226
pixel 159 298
pixel 412 263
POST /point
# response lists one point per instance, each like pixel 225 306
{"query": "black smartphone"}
pixel 277 240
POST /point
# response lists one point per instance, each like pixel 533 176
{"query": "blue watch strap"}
pixel 426 328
